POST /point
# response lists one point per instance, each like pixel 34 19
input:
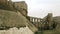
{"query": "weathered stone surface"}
pixel 14 19
pixel 14 6
pixel 10 18
pixel 14 30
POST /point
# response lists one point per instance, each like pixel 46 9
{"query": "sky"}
pixel 40 8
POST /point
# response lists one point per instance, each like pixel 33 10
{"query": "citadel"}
pixel 14 20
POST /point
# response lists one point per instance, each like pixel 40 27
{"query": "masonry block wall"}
pixel 15 6
pixel 21 6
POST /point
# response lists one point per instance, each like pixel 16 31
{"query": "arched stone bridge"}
pixel 35 21
pixel 44 23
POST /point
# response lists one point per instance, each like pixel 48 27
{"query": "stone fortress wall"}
pixel 9 5
pixel 48 22
pixel 15 8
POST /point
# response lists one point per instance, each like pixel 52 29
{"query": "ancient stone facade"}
pixel 19 6
pixel 14 14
